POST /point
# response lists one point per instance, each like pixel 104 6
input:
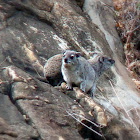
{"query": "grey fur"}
pixel 77 70
pixel 100 63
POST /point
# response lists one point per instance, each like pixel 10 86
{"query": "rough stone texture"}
pixel 12 123
pixel 33 31
pixel 101 14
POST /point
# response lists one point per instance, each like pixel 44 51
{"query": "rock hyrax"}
pixel 76 70
pixel 52 70
pixel 100 63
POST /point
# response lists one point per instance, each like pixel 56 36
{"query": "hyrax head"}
pixel 70 57
pixel 105 61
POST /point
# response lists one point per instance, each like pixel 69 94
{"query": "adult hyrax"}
pixel 76 70
pixel 52 70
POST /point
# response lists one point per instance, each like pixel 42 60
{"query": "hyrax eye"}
pixel 72 56
pixel 103 59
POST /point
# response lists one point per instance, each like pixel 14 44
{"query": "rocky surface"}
pixel 33 31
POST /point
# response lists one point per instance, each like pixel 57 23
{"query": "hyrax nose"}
pixel 66 60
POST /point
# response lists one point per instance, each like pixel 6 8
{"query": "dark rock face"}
pixel 33 31
pixel 12 123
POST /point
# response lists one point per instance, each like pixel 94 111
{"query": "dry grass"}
pixel 125 110
pixel 128 26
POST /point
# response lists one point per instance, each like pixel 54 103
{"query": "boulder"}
pixel 34 31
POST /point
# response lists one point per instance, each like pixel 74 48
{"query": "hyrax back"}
pixel 76 70
pixel 52 70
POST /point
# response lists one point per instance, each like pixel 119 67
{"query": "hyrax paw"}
pixel 82 89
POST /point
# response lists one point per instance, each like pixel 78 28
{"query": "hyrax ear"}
pixel 64 51
pixel 78 54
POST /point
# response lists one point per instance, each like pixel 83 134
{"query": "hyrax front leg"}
pixel 83 86
pixel 92 90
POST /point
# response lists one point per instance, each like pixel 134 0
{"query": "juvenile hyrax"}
pixel 100 63
pixel 76 70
